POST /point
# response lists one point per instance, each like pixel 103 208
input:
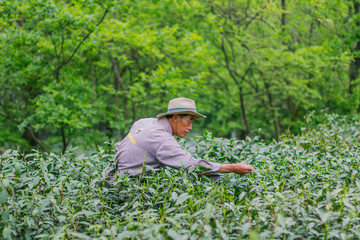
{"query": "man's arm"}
pixel 239 168
pixel 170 154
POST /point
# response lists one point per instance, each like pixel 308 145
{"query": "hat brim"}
pixel 192 113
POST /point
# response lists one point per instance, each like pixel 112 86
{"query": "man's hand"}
pixel 239 168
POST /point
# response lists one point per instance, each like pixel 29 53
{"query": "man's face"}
pixel 183 125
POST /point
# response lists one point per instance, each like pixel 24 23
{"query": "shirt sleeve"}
pixel 170 154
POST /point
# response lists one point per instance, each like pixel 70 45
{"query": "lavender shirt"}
pixel 151 140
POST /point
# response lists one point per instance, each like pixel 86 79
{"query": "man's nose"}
pixel 190 126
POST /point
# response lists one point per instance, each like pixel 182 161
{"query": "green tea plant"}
pixel 303 187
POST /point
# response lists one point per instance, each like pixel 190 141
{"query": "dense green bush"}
pixel 303 187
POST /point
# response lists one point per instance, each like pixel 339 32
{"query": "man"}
pixel 151 140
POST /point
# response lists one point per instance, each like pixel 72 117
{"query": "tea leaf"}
pixel 3 196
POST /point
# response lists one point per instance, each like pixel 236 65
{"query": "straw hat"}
pixel 181 106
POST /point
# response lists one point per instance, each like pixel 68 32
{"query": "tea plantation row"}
pixel 303 187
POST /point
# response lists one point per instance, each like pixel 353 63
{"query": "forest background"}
pixel 79 73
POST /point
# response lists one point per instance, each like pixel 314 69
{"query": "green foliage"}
pixel 303 187
pixel 81 73
pixel 77 72
pixel 282 59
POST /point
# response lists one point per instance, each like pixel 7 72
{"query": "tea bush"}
pixel 303 187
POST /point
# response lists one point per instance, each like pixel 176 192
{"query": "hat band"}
pixel 180 110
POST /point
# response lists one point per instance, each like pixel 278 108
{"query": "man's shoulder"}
pixel 150 124
pixel 146 120
pixel 151 132
pixel 154 127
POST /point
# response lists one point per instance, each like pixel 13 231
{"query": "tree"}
pixel 85 68
pixel 275 53
pixel 41 91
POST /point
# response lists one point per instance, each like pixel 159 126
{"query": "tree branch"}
pixel 81 43
pixel 86 37
pixel 223 48
pixel 221 78
pixel 29 129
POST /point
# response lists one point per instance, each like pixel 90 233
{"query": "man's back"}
pixel 141 144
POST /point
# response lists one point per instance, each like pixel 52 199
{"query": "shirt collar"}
pixel 165 123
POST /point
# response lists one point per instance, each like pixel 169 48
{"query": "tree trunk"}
pixel 272 110
pixel 33 139
pixel 243 112
pixel 63 136
pixel 289 100
pixel 119 84
pixel 283 16
pixel 238 82
pixel 354 69
pixel 291 107
pixel 355 65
